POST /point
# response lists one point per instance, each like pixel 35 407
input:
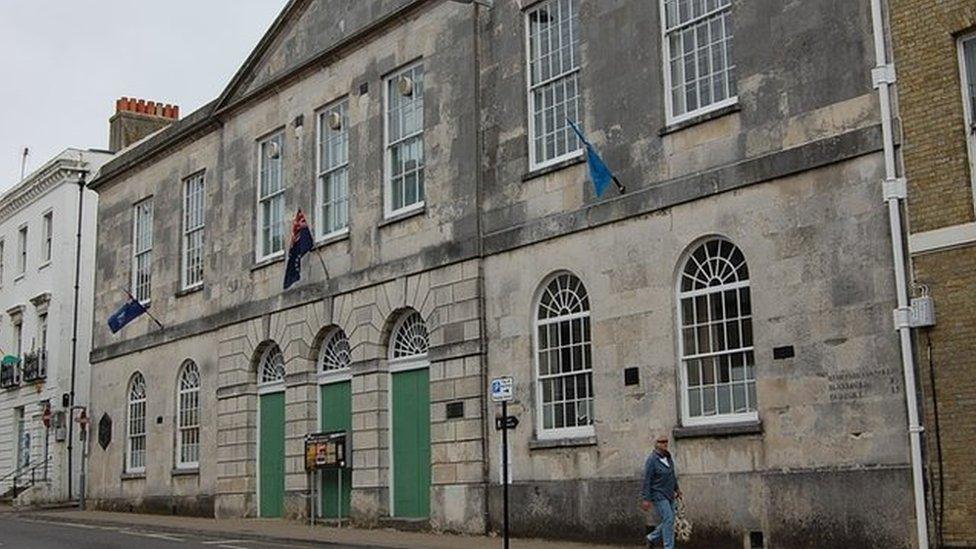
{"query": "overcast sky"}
pixel 63 63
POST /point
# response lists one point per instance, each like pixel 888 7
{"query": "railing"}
pixel 35 366
pixel 9 375
pixel 22 478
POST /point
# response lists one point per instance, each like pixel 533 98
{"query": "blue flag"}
pixel 301 244
pixel 129 312
pixel 599 172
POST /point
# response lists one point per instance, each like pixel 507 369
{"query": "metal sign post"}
pixel 502 390
pixel 326 451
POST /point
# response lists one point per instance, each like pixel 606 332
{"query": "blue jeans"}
pixel 665 529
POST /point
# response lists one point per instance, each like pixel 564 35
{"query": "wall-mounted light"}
pixel 405 86
pixel 334 120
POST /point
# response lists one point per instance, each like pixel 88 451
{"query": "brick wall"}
pixel 936 164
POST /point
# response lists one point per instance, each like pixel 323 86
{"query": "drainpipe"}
pixel 82 173
pixel 895 192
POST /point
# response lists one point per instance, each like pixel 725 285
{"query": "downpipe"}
pixel 883 76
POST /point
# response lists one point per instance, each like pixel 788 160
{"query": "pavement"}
pixel 51 529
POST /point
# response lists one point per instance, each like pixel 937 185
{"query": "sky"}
pixel 63 63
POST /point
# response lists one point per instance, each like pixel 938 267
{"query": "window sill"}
pixel 133 476
pixel 552 168
pixel 268 261
pixel 699 119
pixel 187 472
pixel 421 210
pixel 19 277
pixel 332 238
pixel 44 265
pixel 719 430
pixel 188 291
pixel 574 442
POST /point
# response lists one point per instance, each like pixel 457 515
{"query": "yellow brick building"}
pixel 935 57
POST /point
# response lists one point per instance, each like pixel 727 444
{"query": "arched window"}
pixel 188 417
pixel 409 337
pixel 135 455
pixel 715 313
pixel 335 352
pixel 564 365
pixel 271 369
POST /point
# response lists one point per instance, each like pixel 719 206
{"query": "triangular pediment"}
pixel 304 30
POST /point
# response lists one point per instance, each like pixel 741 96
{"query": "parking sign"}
pixel 502 389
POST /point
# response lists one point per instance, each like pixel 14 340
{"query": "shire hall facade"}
pixel 737 295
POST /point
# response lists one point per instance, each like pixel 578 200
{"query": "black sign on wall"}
pixel 105 431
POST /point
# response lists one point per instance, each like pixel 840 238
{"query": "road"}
pixel 22 532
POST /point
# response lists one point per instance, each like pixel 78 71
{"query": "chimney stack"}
pixel 134 119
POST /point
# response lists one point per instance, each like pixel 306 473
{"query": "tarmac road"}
pixel 21 532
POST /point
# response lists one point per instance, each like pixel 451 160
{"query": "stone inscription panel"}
pixel 849 386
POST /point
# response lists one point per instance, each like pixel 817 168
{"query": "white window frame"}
pixel 969 117
pixel 47 237
pixel 578 431
pixel 23 235
pixel 193 225
pixel 331 355
pixel 139 253
pixel 260 253
pixel 322 172
pixel 388 209
pixel 133 405
pixel 188 406
pixel 686 418
pixel 3 262
pixel 534 162
pixel 666 54
pixel 18 334
pixel 276 384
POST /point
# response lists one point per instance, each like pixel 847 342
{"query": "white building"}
pixel 38 251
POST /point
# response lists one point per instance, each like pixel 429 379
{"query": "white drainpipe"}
pixel 895 192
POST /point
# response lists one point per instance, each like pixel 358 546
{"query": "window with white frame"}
pixel 715 315
pixel 410 338
pixel 19 336
pixel 332 187
pixel 967 61
pixel 194 218
pixel 135 454
pixel 22 250
pixel 142 244
pixel 272 366
pixel 188 417
pixel 404 140
pixel 564 364
pixel 271 196
pixel 3 253
pixel 335 352
pixel 552 36
pixel 46 243
pixel 699 70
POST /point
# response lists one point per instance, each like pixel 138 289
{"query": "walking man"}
pixel 660 489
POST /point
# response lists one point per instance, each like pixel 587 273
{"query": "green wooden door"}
pixel 336 402
pixel 272 455
pixel 411 444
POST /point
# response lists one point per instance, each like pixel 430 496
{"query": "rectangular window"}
pixel 699 71
pixel 137 435
pixel 2 262
pixel 271 197
pixel 404 141
pixel 552 35
pixel 142 243
pixel 332 214
pixel 48 227
pixel 193 221
pixel 42 345
pixel 18 337
pixel 967 61
pixel 22 250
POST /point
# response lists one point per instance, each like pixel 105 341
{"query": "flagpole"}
pixel 318 253
pixel 132 297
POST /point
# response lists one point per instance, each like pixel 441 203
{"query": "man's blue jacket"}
pixel 660 478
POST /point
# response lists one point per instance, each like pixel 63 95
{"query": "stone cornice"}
pixel 59 171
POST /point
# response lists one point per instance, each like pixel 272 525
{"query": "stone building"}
pixel 738 295
pixel 38 251
pixel 935 59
